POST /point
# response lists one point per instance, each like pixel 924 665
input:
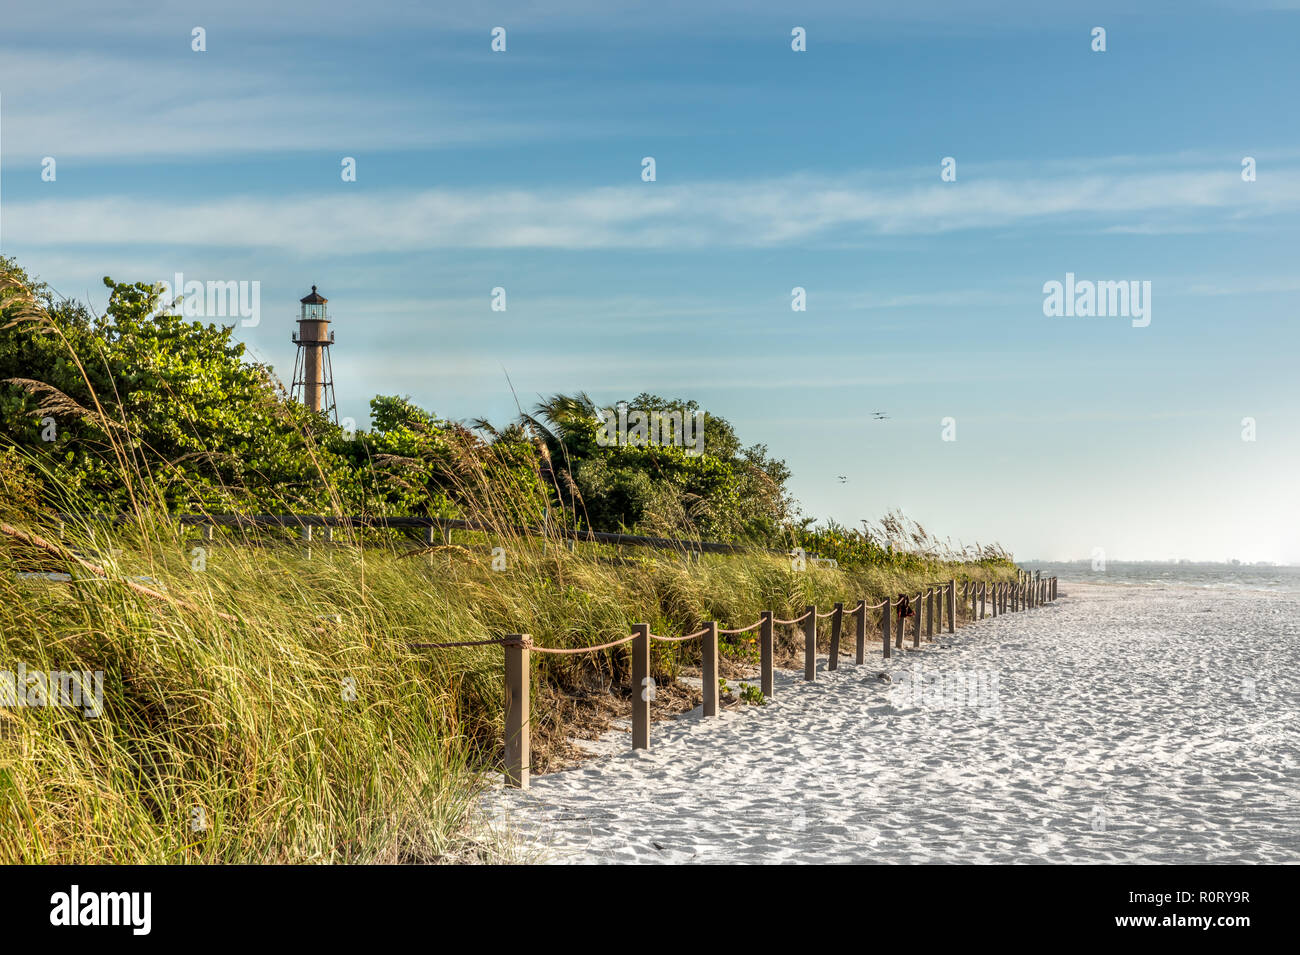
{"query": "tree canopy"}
pixel 141 408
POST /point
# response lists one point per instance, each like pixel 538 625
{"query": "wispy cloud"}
pixel 769 212
pixel 102 106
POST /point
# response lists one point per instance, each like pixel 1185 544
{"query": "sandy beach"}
pixel 1120 724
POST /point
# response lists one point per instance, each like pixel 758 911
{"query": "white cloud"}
pixel 91 104
pixel 761 213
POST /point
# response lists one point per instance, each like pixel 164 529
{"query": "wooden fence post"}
pixel 952 606
pixel 765 651
pixel 837 620
pixel 862 632
pixel 984 593
pixel 929 613
pixel 710 667
pixel 920 612
pixel 810 644
pixel 885 613
pixel 642 686
pixel 517 728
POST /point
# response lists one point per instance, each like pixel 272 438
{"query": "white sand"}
pixel 1120 724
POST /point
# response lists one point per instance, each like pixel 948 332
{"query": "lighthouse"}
pixel 313 372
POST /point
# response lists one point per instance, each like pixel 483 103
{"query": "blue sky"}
pixel 775 169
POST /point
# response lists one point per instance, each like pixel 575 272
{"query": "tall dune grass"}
pixel 308 729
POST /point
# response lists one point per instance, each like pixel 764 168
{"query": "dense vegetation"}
pixel 268 704
pixel 139 409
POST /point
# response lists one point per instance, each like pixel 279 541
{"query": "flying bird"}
pixel 844 478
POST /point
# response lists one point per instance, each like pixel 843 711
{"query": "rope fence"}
pixel 928 607
pixel 931 608
pixel 689 636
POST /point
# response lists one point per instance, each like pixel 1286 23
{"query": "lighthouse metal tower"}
pixel 313 372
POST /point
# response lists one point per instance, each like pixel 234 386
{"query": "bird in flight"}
pixel 844 478
pixel 879 415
